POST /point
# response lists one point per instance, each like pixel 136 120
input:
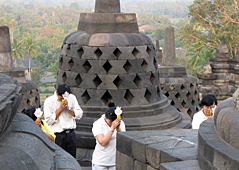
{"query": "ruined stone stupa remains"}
pixel 29 91
pixel 220 74
pixel 180 88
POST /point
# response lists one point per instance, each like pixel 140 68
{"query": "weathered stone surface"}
pixel 5 49
pixel 20 136
pixel 213 151
pixel 185 165
pixel 169 57
pixel 151 148
pixel 124 162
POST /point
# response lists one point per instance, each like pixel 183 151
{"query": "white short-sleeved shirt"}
pixel 105 155
pixel 198 118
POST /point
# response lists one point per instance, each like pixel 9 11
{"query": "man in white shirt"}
pixel 60 115
pixel 208 104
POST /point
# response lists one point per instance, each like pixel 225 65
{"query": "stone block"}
pixel 180 154
pixel 95 67
pixel 126 52
pixel 124 162
pixel 139 165
pixel 135 101
pixel 107 82
pixel 70 80
pixel 75 51
pixel 99 39
pixel 135 65
pixel 119 94
pixel 142 80
pixel 65 64
pixel 94 97
pixel 109 53
pixel 127 81
pixel 79 93
pixel 71 38
pixel 152 95
pixel 90 53
pixel 117 67
pixel 83 39
pixel 133 40
pixel 119 40
pixel 80 65
pixel 150 64
pixel 141 52
pixel 124 144
pixel 108 23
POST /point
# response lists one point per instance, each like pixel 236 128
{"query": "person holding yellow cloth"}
pixel 35 114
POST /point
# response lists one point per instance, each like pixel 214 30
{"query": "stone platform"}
pixel 157 149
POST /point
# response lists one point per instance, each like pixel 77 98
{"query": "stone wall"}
pixel 159 149
pixel 213 152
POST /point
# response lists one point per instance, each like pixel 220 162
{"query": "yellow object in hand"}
pixel 119 117
pixel 64 100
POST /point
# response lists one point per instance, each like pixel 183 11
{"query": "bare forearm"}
pixel 72 112
pixel 58 112
pixel 104 140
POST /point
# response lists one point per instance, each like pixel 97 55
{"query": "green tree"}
pixel 209 21
pixel 30 50
pixel 159 34
pixel 199 55
pixel 17 50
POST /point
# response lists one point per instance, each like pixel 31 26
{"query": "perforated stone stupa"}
pixel 180 88
pixel 108 59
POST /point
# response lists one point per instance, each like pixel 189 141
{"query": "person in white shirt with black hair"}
pixel 60 111
pixel 105 130
pixel 208 105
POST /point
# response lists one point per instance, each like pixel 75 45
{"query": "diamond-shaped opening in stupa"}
pixel 80 52
pixel 135 52
pixel 128 96
pixel 85 97
pixel 107 66
pixel 78 79
pixel 97 81
pixel 87 66
pixel 117 81
pixel 98 53
pixel 71 63
pixel 64 77
pixel 147 95
pixel 117 52
pixel 137 80
pixel 127 66
pixel 106 97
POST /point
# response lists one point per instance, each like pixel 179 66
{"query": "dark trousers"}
pixel 67 141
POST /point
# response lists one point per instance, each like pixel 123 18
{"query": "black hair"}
pixel 208 100
pixel 215 99
pixel 30 112
pixel 110 104
pixel 62 88
pixel 110 114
